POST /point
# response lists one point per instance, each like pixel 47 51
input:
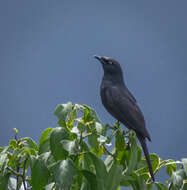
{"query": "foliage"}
pixel 83 154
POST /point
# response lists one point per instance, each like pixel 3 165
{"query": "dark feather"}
pixel 146 153
pixel 121 104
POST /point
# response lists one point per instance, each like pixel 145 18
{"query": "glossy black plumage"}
pixel 121 104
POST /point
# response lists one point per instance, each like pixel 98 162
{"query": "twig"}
pixel 86 135
pixel 17 174
pixel 84 152
pixel 16 137
pixel 170 186
pixel 109 153
pixel 80 138
pixel 113 128
pixel 23 176
pixel 14 172
pixel 17 177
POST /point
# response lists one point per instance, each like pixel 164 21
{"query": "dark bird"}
pixel 121 104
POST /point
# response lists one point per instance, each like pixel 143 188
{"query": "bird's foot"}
pixel 118 122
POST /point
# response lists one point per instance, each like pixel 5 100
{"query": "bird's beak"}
pixel 102 59
pixel 98 57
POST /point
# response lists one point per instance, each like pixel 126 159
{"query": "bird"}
pixel 121 104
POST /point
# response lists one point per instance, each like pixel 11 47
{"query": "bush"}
pixel 83 154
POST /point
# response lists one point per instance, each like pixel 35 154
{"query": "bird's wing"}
pixel 130 94
pixel 124 108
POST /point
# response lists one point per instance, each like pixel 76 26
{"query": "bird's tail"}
pixel 146 153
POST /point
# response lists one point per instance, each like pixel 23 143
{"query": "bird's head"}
pixel 110 66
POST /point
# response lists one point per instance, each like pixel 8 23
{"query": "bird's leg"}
pixel 118 122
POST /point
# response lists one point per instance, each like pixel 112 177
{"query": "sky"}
pixel 46 58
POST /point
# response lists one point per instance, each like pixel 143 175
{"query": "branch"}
pixel 86 135
pixel 23 176
pixel 109 153
pixel 170 186
pixel 14 172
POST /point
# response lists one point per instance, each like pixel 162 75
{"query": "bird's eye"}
pixel 110 62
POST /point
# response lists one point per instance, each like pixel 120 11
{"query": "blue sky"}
pixel 46 50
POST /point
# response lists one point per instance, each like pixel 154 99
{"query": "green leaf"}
pixel 75 133
pixel 161 186
pixel 63 174
pixel 143 167
pixel 58 134
pixel 133 155
pixel 62 112
pixel 90 114
pixel 72 117
pixel 177 178
pixel 102 139
pixel 22 151
pixel 15 130
pixel 4 178
pixel 82 139
pixel 44 143
pixel 86 162
pixel 47 158
pixel 114 177
pixel 92 180
pixel 109 162
pixel 123 157
pixel 171 167
pixel 81 126
pixel 50 186
pixel 120 141
pixel 111 135
pixel 126 180
pixel 85 185
pixel 39 173
pixel 12 184
pixel 92 139
pixel 184 187
pixel 45 147
pixel 13 144
pixel 101 130
pixel 30 143
pixel 84 146
pixel 150 187
pixel 3 162
pixel 137 182
pixel 100 169
pixel 184 163
pixel 72 147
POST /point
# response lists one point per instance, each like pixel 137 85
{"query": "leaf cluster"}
pixel 83 154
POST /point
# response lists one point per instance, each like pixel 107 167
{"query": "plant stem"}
pixel 14 172
pixel 17 177
pixel 109 153
pixel 23 176
pixel 170 186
